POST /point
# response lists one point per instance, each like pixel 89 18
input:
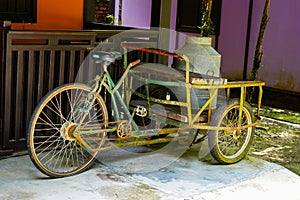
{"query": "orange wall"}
pixel 56 15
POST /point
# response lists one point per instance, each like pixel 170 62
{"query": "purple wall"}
pixel 232 39
pixel 136 13
pixel 281 46
pixel 281 53
pixel 281 58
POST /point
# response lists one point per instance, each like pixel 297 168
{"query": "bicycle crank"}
pixel 124 129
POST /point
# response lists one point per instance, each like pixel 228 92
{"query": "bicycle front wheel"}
pixel 52 145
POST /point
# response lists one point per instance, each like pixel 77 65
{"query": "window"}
pixel 18 11
pixel 102 10
pixel 189 15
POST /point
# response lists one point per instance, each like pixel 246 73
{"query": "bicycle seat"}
pixel 103 56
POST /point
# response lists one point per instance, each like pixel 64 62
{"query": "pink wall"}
pixel 136 13
pixel 281 58
pixel 281 46
pixel 232 39
pixel 281 53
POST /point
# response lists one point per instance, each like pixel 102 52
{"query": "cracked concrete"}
pixel 186 178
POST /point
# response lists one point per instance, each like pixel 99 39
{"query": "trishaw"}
pixel 72 124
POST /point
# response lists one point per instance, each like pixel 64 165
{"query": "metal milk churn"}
pixel 205 62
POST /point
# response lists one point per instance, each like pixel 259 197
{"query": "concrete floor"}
pixel 186 178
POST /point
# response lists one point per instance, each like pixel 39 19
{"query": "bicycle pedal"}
pixel 141 111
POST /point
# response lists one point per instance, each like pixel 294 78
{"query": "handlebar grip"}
pixel 134 63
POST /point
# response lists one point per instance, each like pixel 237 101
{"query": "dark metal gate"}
pixel 36 62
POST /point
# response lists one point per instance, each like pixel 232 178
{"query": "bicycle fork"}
pixel 87 103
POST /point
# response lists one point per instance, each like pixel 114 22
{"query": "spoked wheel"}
pixel 231 146
pixel 52 144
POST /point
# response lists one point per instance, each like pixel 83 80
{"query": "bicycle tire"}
pixel 229 147
pixel 51 146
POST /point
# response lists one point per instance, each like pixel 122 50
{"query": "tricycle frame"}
pixel 128 132
pixel 208 85
pixel 191 123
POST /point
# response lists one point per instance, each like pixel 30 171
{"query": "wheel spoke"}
pixel 59 114
pixel 229 146
pixel 48 121
pixel 53 147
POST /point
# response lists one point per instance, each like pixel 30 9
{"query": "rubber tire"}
pixel 40 165
pixel 213 135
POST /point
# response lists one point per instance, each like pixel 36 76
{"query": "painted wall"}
pixel 281 46
pixel 232 39
pixel 136 13
pixel 281 53
pixel 56 15
pixel 281 60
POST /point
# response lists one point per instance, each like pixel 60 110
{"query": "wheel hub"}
pixel 236 134
pixel 67 131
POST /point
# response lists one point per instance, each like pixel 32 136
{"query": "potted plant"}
pixel 207 26
pixel 204 59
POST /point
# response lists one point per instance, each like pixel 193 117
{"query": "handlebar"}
pixel 134 63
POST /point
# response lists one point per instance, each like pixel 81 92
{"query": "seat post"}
pixel 105 65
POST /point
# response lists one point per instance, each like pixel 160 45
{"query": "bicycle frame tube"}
pixel 115 94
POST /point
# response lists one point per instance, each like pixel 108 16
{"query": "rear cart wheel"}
pixel 231 146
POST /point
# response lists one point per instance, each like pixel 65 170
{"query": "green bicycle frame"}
pixel 110 86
